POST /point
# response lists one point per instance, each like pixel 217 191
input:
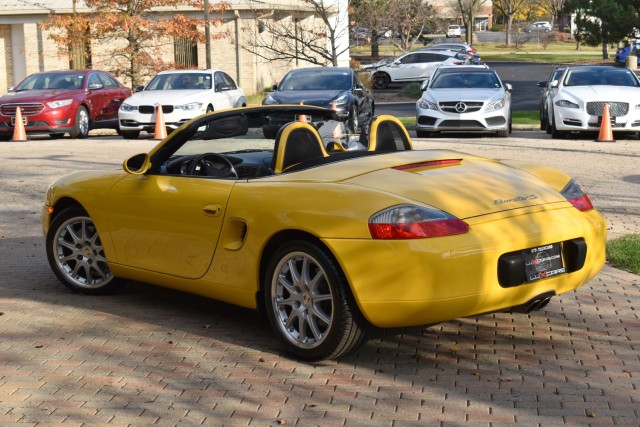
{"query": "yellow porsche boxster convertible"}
pixel 328 234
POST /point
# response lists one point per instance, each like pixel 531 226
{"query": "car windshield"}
pixel 180 81
pixel 610 77
pixel 71 80
pixel 316 80
pixel 484 80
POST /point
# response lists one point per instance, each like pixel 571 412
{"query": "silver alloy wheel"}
pixel 79 254
pixel 302 300
pixel 83 122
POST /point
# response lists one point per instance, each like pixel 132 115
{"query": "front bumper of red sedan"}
pixel 39 119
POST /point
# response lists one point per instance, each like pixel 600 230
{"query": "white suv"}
pixel 540 26
pixel 415 66
pixel 454 31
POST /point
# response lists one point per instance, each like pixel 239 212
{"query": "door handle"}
pixel 212 210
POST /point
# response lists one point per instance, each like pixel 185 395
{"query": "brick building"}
pixel 26 48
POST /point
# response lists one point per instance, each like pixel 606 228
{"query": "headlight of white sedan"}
pixel 566 104
pixel 426 105
pixel 127 107
pixel 192 106
pixel 496 105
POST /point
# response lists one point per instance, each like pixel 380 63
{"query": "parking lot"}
pixel 152 356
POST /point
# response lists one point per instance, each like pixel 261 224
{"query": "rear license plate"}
pixel 543 261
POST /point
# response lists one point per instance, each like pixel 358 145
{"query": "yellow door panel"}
pixel 167 224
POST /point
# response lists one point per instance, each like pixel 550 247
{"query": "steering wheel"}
pixel 213 165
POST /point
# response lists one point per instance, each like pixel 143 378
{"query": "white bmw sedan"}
pixel 183 95
pixel 581 94
pixel 464 98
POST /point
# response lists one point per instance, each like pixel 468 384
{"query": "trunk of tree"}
pixel 375 47
pixel 605 50
pixel 508 30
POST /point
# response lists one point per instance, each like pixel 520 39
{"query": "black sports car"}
pixel 330 87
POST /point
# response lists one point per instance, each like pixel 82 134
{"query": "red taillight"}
pixel 414 222
pixel 574 194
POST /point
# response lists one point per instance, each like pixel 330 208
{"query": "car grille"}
pixel 461 124
pixel 150 109
pixel 452 106
pixel 615 108
pixel 27 109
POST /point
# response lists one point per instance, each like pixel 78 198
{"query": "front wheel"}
pixel 76 255
pixel 81 126
pixel 130 134
pixel 353 123
pixel 309 303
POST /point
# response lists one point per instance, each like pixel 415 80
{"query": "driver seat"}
pixel 296 142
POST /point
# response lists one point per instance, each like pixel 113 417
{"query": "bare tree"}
pixel 509 8
pixel 315 33
pixel 468 10
pixel 408 18
pixel 372 14
pixel 555 8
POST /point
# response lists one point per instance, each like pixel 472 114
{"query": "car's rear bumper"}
pixel 438 279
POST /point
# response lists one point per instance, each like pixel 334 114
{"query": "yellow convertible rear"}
pixel 325 232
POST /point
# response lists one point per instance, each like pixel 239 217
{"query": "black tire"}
pixel 312 322
pixel 81 125
pixel 381 80
pixel 130 134
pixel 502 133
pixel 76 255
pixel 555 133
pixel 423 134
pixel 353 123
pixel 270 132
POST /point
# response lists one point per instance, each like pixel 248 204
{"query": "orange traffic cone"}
pixel 302 117
pixel 19 134
pixel 161 129
pixel 606 134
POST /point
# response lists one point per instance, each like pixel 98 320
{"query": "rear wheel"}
pixel 81 126
pixel 309 303
pixel 381 80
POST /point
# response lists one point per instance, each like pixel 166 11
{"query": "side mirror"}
pixel 555 83
pixel 10 88
pixel 95 86
pixel 138 164
pixel 424 85
pixel 274 87
pixel 139 89
pixel 508 87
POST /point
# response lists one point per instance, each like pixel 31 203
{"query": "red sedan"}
pixel 59 102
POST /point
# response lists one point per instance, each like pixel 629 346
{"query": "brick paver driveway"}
pixel 149 356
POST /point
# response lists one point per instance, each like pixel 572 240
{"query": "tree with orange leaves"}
pixel 135 33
